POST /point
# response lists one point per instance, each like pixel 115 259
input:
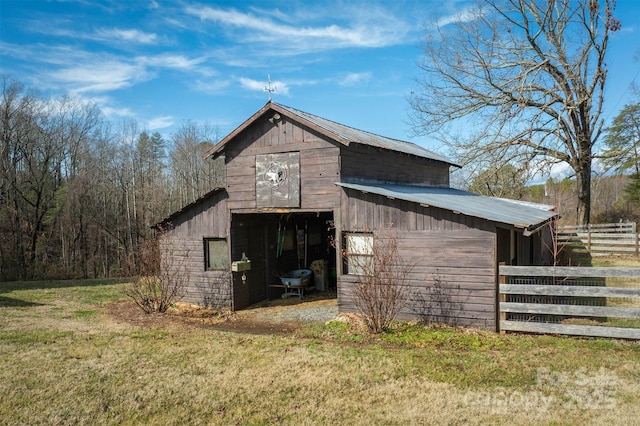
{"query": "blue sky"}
pixel 162 63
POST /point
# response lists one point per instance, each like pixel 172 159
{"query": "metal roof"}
pixel 528 216
pixel 336 131
pixel 363 137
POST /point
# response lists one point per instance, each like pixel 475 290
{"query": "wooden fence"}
pixel 554 296
pixel 602 239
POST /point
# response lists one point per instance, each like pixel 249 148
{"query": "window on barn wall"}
pixel 215 254
pixel 359 252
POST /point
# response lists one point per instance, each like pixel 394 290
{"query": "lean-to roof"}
pixel 527 216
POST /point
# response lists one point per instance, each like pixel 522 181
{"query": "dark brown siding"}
pixel 207 219
pixel 202 288
pixel 319 165
pixel 320 170
pixel 361 163
pixel 453 281
pixel 371 211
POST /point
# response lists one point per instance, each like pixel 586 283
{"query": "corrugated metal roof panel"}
pixel 366 138
pixel 511 212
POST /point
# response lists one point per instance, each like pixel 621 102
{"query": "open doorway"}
pixel 277 243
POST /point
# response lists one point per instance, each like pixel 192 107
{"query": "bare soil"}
pixel 274 316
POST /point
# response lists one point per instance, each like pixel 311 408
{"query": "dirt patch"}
pixel 275 316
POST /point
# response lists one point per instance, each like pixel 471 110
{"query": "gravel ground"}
pixel 311 309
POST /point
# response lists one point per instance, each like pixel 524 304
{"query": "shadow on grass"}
pixel 6 287
pixel 9 302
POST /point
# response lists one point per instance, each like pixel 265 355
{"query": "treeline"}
pixel 79 194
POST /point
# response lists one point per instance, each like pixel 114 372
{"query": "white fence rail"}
pixel 570 298
pixel 602 239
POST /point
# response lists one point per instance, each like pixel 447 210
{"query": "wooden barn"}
pixel 301 190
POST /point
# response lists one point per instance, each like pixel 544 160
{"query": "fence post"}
pixel 635 235
pixel 501 298
pixel 589 237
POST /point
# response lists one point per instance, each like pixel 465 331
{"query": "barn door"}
pixel 278 180
pixel 248 238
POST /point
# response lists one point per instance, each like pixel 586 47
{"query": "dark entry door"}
pixel 248 238
pixel 256 277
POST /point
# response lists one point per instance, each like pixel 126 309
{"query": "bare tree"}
pixel 194 175
pixel 507 181
pixel 526 81
pixel 43 143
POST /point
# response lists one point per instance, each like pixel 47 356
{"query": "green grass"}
pixel 64 360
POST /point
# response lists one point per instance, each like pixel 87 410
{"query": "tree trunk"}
pixel 583 183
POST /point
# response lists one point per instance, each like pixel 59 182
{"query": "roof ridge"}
pixel 350 127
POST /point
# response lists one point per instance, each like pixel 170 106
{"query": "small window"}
pixel 216 256
pixel 359 253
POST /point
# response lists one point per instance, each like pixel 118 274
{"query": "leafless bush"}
pixel 163 274
pixel 381 290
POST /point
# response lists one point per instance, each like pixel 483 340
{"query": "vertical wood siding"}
pixel 319 165
pixel 361 163
pixel 453 281
pixel 371 211
pixel 207 219
pixel 203 288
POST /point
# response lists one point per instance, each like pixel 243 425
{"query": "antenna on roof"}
pixel 268 87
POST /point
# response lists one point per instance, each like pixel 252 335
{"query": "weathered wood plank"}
pixel 571 329
pixel 365 162
pixel 601 236
pixel 624 227
pixel 578 310
pixel 569 290
pixel 282 148
pixel 568 271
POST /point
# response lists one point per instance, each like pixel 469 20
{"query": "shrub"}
pixel 381 290
pixel 162 274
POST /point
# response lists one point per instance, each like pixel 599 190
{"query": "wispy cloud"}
pixel 81 72
pixel 466 14
pixel 65 29
pixel 114 112
pixel 99 75
pixel 372 30
pixel 210 86
pixel 174 61
pixel 160 122
pixel 130 36
pixel 354 79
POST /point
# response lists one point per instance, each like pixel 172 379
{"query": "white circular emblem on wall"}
pixel 275 174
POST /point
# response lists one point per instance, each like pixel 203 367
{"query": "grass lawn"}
pixel 65 358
